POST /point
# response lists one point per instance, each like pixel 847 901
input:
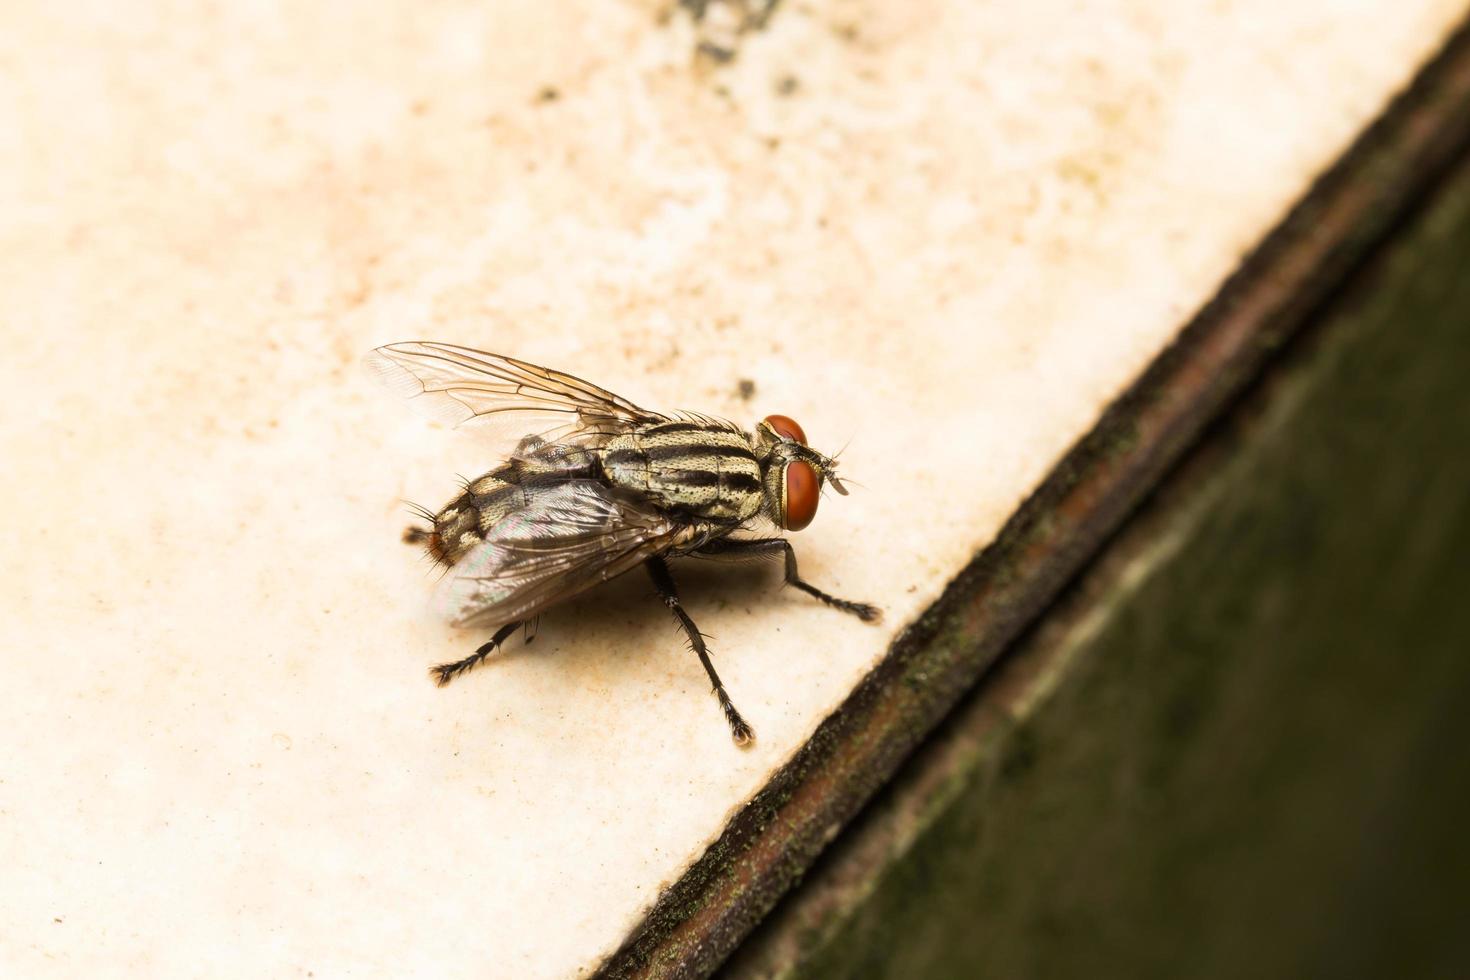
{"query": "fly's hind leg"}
pixel 658 570
pixel 731 549
pixel 444 673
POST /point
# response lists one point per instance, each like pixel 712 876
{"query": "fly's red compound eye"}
pixel 800 491
pixel 786 427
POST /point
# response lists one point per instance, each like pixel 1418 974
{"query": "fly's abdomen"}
pixel 504 491
pixel 705 471
pixel 465 521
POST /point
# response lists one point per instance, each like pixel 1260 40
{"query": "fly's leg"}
pixel 758 548
pixel 444 673
pixel 658 570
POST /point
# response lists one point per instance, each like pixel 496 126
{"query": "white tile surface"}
pixel 967 228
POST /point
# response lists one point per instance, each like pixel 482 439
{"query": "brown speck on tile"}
pixel 716 53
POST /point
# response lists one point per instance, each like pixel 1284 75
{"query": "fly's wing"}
pixel 507 398
pixel 566 540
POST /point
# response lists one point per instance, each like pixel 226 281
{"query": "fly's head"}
pixel 792 473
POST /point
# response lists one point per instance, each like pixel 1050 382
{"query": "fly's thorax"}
pixel 705 470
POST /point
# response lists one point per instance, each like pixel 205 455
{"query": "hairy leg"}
pixel 444 673
pixel 731 549
pixel 658 570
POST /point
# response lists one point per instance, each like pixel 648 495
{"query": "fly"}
pixel 594 487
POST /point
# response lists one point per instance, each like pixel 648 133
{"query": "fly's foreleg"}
pixel 658 570
pixel 444 673
pixel 757 548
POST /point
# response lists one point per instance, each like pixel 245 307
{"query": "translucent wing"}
pixel 568 539
pixel 507 398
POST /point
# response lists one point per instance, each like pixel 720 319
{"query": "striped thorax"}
pixel 705 470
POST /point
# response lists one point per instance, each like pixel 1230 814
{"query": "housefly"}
pixel 595 486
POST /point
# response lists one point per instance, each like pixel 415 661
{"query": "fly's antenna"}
pixel 827 465
pixel 829 474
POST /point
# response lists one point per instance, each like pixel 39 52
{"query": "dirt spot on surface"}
pixel 720 26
